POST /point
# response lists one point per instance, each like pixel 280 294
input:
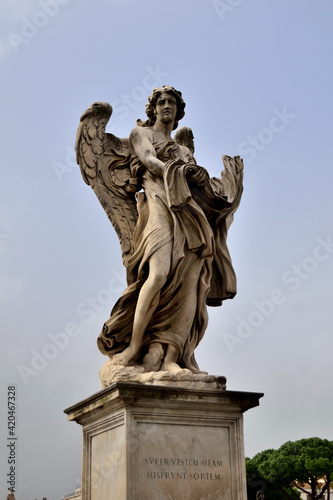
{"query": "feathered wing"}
pixel 104 160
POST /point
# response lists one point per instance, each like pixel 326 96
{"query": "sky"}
pixel 257 81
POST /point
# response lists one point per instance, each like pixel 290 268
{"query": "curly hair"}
pixel 151 105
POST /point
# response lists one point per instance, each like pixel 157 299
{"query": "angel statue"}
pixel 172 221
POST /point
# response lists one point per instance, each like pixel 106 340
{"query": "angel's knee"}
pixel 158 279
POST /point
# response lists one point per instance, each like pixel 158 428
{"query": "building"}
pixel 305 496
pixel 74 496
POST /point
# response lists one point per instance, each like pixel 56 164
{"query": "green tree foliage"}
pixel 307 463
pixel 273 490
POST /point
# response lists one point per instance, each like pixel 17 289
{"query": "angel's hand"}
pixel 197 174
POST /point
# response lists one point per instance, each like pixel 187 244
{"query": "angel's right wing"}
pixel 104 160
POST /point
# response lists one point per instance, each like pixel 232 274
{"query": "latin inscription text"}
pixel 183 462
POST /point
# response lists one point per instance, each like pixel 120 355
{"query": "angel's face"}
pixel 166 108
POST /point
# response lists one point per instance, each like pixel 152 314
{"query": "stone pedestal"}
pixel 146 442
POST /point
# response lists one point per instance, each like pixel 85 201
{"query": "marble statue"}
pixel 172 221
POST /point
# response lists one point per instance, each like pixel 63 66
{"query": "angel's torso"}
pixel 165 149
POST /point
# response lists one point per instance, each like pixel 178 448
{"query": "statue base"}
pixel 136 373
pixel 145 441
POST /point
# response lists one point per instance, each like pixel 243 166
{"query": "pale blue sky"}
pixel 257 80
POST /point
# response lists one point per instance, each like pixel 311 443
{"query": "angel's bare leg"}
pixel 159 267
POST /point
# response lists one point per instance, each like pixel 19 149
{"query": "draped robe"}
pixel 195 219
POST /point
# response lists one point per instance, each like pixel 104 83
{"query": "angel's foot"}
pixel 170 361
pixel 152 360
pixel 171 366
pixel 123 358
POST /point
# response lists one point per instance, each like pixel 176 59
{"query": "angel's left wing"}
pixel 104 160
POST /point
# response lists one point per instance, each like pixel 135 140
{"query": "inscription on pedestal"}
pixel 150 443
pixel 191 462
pixel 197 469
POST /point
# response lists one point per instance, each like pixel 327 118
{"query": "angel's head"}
pixel 151 106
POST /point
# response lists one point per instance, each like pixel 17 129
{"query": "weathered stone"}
pixel 164 443
pixel 185 379
pixel 161 429
pixel 172 221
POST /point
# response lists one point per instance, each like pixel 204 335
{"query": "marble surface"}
pixel 172 221
pixel 114 373
pixel 163 443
